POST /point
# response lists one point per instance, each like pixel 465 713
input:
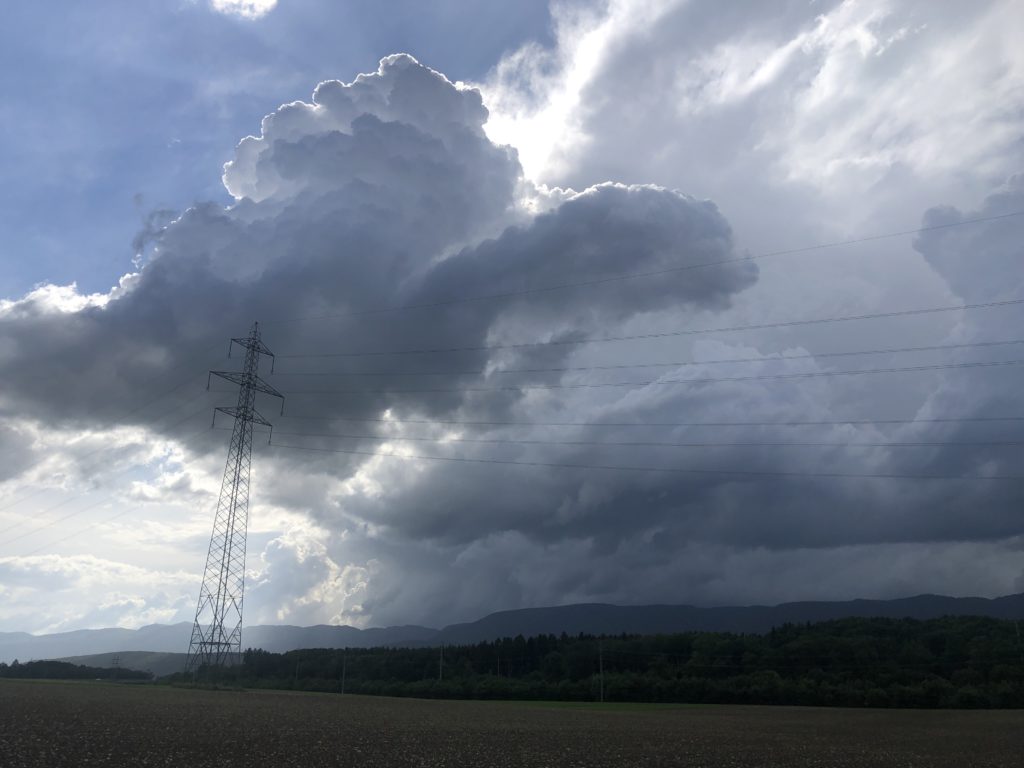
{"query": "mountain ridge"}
pixel 588 618
pixel 598 618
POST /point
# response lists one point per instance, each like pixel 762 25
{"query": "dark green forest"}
pixel 62 670
pixel 959 662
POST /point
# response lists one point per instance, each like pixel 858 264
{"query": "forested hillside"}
pixel 63 670
pixel 949 662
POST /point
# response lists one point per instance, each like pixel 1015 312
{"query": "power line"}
pixel 665 382
pixel 106 498
pixel 95 451
pixel 675 424
pixel 35 493
pixel 664 334
pixel 70 499
pixel 130 412
pixel 655 444
pixel 81 531
pixel 671 364
pixel 49 509
pixel 637 275
pixel 52 523
pixel 18 501
pixel 668 470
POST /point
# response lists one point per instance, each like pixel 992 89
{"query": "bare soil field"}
pixel 93 724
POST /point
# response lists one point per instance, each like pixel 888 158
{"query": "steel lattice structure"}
pixel 217 632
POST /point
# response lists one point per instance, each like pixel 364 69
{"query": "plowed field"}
pixel 91 724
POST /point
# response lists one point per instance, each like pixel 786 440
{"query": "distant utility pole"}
pixel 344 664
pixel 440 665
pixel 217 632
pixel 116 664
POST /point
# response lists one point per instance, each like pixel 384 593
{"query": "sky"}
pixel 637 301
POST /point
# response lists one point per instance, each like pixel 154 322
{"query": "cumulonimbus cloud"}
pixel 386 193
pixel 379 193
pixel 365 198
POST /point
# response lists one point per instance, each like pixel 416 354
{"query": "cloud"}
pixel 340 208
pixel 539 95
pixel 826 86
pixel 16 456
pixel 381 192
pixel 297 582
pixel 395 190
pixel 247 9
pixel 44 593
pixel 980 263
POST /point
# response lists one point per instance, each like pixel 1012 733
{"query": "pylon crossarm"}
pixel 230 410
pixel 258 419
pixel 254 344
pixel 234 377
pixel 261 386
pixel 254 416
pixel 257 383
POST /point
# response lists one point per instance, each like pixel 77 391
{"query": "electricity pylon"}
pixel 217 632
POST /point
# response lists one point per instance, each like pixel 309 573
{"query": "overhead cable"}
pixel 664 382
pixel 636 275
pixel 670 424
pixel 664 334
pixel 670 364
pixel 667 470
pixel 656 444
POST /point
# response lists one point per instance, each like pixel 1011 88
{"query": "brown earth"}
pixel 92 724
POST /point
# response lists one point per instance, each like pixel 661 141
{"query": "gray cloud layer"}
pixel 386 192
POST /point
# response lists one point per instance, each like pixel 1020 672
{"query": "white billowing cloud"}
pixel 297 582
pixel 537 95
pixel 400 92
pixel 878 99
pixel 44 593
pixel 48 298
pixel 247 9
pixel 869 104
pixel 78 461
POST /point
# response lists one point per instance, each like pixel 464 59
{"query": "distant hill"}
pixel 159 663
pixel 599 618
pixel 174 638
pixel 280 638
pixel 155 637
pixel 595 618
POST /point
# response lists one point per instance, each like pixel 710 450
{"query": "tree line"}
pixel 961 662
pixel 63 670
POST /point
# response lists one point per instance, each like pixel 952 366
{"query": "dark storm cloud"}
pixel 725 501
pixel 345 210
pixel 15 457
pixel 386 192
pixel 980 263
pixel 597 534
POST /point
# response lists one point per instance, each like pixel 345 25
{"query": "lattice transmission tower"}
pixel 217 632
